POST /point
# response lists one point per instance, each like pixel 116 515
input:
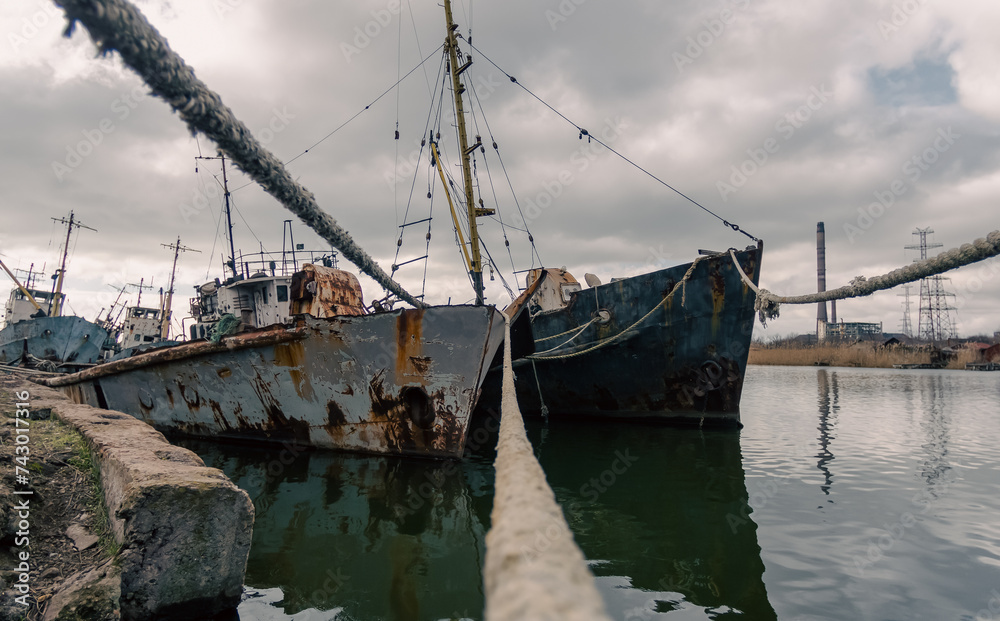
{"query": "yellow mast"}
pixel 451 45
pixel 167 302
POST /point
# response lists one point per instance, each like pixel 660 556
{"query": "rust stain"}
pixel 718 283
pixel 335 422
pixel 334 415
pixel 289 354
pixel 190 397
pixel 220 418
pixel 409 341
pixel 325 292
pixel 421 364
pixel 185 351
pixel 293 357
pixel 224 372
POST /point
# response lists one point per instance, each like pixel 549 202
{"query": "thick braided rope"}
pixel 533 569
pixel 118 25
pixel 981 249
pixel 682 285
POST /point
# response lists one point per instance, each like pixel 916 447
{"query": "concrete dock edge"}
pixel 184 528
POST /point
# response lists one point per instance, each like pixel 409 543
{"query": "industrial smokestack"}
pixel 821 317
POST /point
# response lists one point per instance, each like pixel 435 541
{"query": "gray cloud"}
pixel 839 97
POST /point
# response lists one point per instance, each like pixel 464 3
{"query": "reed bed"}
pixel 861 355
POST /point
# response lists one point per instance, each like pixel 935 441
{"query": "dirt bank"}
pixel 68 527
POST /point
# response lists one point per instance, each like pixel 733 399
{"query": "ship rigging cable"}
pixel 118 25
pixel 339 127
pixel 584 132
pixel 768 304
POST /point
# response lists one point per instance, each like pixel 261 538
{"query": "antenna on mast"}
pixel 140 287
pixel 57 296
pixel 167 302
pixel 229 214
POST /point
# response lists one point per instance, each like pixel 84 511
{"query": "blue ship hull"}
pixel 62 340
pixel 680 360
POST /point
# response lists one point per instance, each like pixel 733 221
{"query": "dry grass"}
pixel 861 355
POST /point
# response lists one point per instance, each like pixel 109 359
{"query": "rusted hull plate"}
pixel 683 364
pixel 57 339
pixel 401 382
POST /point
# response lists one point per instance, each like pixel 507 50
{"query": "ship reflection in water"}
pixel 662 514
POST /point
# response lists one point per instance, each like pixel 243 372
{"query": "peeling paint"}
pixel 684 364
pixel 370 383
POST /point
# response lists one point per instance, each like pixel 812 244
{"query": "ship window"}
pixel 282 293
pixel 137 337
pixel 147 339
pixel 194 332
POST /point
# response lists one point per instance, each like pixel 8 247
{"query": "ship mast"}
pixel 229 214
pixel 168 301
pixel 57 297
pixel 451 46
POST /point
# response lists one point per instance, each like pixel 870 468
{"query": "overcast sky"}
pixel 875 117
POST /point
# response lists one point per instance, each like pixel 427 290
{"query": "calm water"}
pixel 850 494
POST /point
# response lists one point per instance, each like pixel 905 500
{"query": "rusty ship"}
pixel 289 355
pixel 333 376
pixel 670 345
pixel 36 333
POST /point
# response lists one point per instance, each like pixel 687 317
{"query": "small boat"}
pixel 36 334
pixel 144 327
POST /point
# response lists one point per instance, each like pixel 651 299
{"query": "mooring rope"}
pixel 577 332
pixel 533 568
pixel 117 25
pixel 768 304
pixel 682 284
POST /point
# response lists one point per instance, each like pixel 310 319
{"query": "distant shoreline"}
pixel 867 355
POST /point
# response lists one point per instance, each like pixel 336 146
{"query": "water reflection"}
pixel 662 514
pixel 378 538
pixel 829 406
pixel 936 426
